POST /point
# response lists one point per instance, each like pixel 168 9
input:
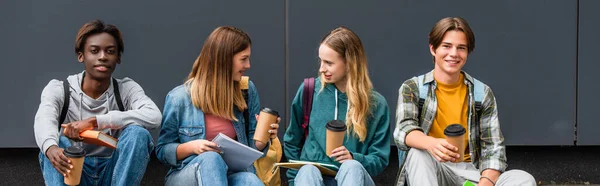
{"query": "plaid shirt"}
pixel 486 143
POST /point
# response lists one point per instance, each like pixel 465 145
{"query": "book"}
pixel 468 183
pixel 237 156
pixel 98 138
pixel 326 169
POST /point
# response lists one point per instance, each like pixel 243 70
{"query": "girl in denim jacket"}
pixel 208 103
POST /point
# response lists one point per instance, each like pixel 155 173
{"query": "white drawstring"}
pixel 80 143
pixel 336 104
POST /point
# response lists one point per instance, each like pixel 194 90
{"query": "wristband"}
pixel 489 179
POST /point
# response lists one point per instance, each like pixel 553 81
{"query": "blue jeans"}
pixel 126 166
pixel 351 173
pixel 210 169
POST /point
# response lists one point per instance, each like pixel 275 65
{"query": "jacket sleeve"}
pixel 45 125
pixel 493 151
pixel 407 112
pixel 378 153
pixel 254 109
pixel 294 132
pixel 168 139
pixel 140 109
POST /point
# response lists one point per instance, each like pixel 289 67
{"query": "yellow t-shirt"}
pixel 452 109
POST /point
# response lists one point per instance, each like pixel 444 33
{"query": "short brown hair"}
pixel 448 24
pixel 96 27
pixel 211 85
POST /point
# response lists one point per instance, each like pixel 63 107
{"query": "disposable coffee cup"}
pixel 336 130
pixel 455 135
pixel 244 82
pixel 266 117
pixel 76 154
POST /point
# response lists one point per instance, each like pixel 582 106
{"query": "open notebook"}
pixel 237 156
pixel 326 169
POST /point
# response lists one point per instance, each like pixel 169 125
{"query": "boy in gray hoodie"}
pixel 96 101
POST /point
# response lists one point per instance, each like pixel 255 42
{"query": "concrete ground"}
pixel 549 165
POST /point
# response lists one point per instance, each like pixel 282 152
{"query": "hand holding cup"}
pixel 442 151
pixel 336 130
pixel 455 135
pixel 274 127
pixel 266 125
pixel 76 156
pixel 341 154
pixel 59 161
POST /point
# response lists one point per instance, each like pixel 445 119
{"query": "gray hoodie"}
pixel 139 110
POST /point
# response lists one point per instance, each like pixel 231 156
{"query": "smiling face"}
pixel 100 56
pixel 333 67
pixel 451 55
pixel 241 63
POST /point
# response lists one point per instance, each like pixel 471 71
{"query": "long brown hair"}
pixel 211 85
pixel 358 86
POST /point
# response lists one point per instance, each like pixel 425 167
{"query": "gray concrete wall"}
pixel 519 49
pixel 162 40
pixel 587 66
pixel 527 51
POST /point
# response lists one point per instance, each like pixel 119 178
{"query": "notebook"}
pixel 237 156
pixel 326 169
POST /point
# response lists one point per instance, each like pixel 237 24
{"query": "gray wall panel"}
pixel 587 103
pixel 162 40
pixel 521 45
pixel 516 45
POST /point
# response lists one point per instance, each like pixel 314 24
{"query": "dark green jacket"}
pixel 373 153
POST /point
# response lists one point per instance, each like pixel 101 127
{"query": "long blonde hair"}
pixel 210 83
pixel 358 85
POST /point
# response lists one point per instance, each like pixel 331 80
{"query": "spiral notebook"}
pixel 237 156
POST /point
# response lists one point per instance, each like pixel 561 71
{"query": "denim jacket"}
pixel 183 122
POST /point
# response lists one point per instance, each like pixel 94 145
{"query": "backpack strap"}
pixel 244 84
pixel 307 101
pixel 423 90
pixel 479 92
pixel 65 108
pixel 118 95
pixel 67 98
pixel 246 113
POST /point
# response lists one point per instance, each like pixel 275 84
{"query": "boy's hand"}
pixel 73 129
pixel 442 151
pixel 59 161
